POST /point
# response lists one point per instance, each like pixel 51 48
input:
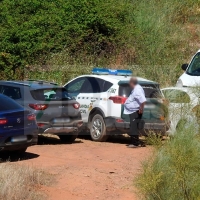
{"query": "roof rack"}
pixel 42 81
pixel 19 83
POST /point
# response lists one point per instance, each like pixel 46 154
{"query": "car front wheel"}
pixel 98 129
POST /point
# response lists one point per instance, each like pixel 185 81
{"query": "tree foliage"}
pixel 32 29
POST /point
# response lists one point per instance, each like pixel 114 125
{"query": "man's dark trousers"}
pixel 134 131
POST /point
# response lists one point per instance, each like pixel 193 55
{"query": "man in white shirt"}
pixel 134 107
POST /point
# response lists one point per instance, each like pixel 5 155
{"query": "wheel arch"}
pixel 92 113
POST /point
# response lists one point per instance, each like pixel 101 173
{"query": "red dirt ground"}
pixel 88 170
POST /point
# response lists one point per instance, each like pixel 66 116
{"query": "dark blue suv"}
pixel 18 128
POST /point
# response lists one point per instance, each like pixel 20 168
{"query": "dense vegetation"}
pixel 173 172
pixel 68 36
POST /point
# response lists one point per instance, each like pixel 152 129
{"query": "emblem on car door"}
pixel 18 120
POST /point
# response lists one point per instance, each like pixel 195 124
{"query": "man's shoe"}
pixel 132 146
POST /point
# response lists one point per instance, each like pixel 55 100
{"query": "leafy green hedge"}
pixel 95 32
pixel 32 29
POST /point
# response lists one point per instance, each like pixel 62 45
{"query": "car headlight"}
pixel 179 83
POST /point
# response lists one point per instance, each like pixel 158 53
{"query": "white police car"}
pixel 102 95
pixel 191 76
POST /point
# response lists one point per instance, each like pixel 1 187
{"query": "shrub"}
pixel 32 29
pixel 157 35
pixel 174 171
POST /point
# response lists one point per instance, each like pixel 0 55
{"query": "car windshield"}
pixel 194 68
pixel 51 94
pixel 151 90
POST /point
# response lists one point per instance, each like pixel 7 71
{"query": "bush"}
pixel 157 35
pixel 174 171
pixel 32 29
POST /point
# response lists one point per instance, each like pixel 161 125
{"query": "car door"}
pixel 87 92
pixel 77 89
pixel 91 94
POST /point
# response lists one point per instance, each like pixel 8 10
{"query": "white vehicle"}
pixel 183 106
pixel 102 95
pixel 191 76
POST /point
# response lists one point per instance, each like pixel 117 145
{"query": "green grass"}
pixel 173 171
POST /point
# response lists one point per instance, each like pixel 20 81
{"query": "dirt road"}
pixel 88 170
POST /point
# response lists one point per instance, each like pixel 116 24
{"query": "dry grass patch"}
pixel 19 182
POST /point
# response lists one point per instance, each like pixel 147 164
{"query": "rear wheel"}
pixel 68 138
pixel 98 129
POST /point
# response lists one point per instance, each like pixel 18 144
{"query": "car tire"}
pixel 98 129
pixel 68 139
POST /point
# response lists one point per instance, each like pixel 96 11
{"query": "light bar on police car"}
pixel 119 72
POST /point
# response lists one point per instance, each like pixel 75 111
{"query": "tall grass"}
pixel 18 182
pixel 174 170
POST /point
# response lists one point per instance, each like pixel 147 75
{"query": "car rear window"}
pixel 51 94
pixel 151 90
pixel 8 104
pixel 176 96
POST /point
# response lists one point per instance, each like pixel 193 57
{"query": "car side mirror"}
pixel 184 66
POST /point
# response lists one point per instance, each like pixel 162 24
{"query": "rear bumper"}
pixel 112 125
pixel 6 143
pixel 76 126
pixel 57 130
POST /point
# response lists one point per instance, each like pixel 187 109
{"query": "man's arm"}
pixel 141 98
pixel 141 108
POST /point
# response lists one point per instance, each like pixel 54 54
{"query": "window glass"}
pixel 75 86
pixel 90 86
pixel 124 90
pixel 151 90
pixel 95 85
pixel 8 104
pixel 12 92
pixel 176 96
pixel 52 94
pixel 194 68
pixel 107 85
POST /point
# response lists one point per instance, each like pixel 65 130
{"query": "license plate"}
pixel 21 138
pixel 61 120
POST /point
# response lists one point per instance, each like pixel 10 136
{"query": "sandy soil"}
pixel 88 170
